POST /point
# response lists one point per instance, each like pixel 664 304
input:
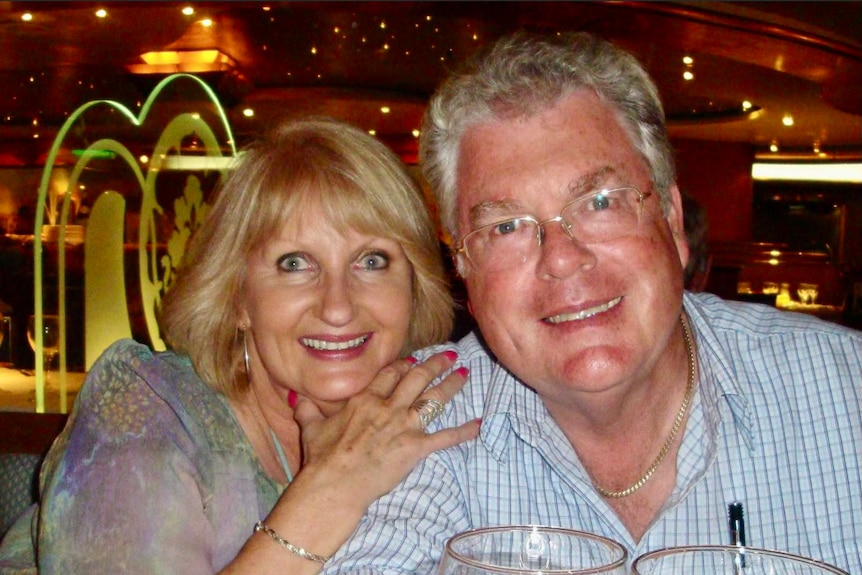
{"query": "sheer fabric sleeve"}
pixel 122 488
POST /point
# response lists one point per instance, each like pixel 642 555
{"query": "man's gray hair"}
pixel 523 74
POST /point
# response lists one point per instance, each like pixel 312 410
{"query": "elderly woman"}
pixel 282 410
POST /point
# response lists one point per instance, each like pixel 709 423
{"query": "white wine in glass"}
pixel 50 339
pixel 531 550
pixel 728 560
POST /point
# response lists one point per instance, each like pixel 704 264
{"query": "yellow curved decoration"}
pixel 158 256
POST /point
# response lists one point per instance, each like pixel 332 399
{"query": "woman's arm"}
pixel 349 460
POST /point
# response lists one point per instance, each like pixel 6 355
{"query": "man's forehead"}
pixel 510 203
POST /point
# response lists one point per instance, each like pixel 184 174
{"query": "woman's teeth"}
pixel 585 313
pixel 322 345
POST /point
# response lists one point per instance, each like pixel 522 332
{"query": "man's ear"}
pixel 676 222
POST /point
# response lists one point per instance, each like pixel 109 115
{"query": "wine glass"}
pixel 807 293
pixel 730 560
pixel 531 550
pixel 50 339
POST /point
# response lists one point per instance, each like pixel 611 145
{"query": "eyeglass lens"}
pixel 600 217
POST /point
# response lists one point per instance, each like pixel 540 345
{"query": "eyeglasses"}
pixel 599 217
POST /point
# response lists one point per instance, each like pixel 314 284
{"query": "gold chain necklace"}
pixel 689 392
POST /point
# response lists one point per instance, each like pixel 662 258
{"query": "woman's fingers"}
pixel 305 411
pixel 420 377
pixel 387 380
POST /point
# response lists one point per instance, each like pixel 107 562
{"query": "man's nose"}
pixel 562 254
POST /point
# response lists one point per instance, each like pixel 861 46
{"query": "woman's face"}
pixel 326 308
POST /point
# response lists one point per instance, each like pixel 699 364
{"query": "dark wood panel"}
pixel 23 432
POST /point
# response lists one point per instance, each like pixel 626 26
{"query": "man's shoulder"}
pixel 470 349
pixel 745 319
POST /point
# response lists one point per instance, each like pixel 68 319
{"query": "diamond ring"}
pixel 428 410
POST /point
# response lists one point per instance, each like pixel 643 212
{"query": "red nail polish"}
pixel 463 371
pixel 478 421
pixel 412 360
pixel 451 354
pixel 292 398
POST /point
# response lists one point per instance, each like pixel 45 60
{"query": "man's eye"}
pixel 507 227
pixel 599 202
pixel 374 261
pixel 294 262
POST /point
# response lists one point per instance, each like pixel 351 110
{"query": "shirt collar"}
pixel 716 377
pixel 515 408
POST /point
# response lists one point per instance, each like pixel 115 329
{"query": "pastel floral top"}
pixel 153 474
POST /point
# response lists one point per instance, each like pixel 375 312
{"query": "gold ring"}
pixel 428 410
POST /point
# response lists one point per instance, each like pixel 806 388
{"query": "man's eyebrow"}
pixel 484 211
pixel 590 182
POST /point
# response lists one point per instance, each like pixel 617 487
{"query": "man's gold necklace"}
pixel 689 392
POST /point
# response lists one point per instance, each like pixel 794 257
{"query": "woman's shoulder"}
pixel 132 388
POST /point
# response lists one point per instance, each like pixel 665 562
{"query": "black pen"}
pixel 736 525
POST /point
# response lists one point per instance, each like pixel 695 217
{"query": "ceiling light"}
pixel 687 60
pixel 746 105
pixel 787 120
pixel 819 172
pixel 816 147
pixel 188 10
pixel 196 163
pixel 188 61
pixel 416 133
pixel 206 22
pixel 773 147
pixel 385 110
pixel 101 13
pixel 26 17
pixel 688 75
pixel 248 113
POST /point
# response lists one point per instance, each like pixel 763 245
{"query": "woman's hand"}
pixel 350 459
pixel 377 438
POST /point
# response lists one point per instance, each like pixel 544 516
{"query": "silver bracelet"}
pixel 261 526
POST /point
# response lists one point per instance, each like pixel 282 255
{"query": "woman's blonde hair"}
pixel 359 183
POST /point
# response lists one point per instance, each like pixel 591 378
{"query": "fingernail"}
pixel 412 360
pixel 292 398
pixel 463 371
pixel 451 354
pixel 478 421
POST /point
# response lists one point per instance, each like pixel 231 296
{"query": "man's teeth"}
pixel 321 345
pixel 585 313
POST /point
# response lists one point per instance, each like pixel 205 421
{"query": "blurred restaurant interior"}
pixel 763 99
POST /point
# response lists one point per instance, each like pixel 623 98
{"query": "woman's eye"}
pixel 294 262
pixel 374 261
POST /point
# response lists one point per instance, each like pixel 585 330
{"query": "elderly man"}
pixel 612 401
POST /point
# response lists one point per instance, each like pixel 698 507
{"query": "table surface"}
pixel 18 390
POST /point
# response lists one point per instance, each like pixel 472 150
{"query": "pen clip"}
pixel 736 523
pixel 736 526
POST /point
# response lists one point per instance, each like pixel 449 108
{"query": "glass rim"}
pixel 669 551
pixel 610 543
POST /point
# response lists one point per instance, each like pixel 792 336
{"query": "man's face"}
pixel 576 318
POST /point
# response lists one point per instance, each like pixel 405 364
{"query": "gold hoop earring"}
pixel 245 355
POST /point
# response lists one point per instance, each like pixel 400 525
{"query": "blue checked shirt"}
pixel 776 423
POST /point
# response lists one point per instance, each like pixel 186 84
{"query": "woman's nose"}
pixel 336 306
